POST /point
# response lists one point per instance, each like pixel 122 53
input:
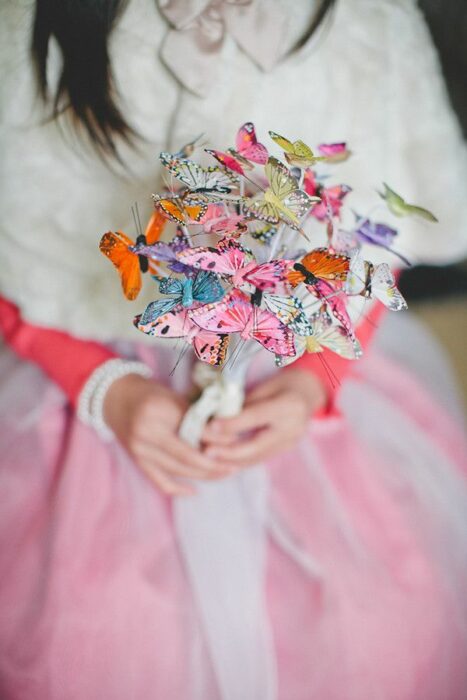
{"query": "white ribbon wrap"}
pixel 221 533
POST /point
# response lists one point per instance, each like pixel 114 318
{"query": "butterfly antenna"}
pixel 399 255
pixel 235 355
pixel 135 220
pixel 254 183
pixel 334 380
pixel 179 359
pixel 138 219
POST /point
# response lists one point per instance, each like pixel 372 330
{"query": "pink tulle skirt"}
pixel 370 603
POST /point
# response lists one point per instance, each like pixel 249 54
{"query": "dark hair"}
pixel 86 87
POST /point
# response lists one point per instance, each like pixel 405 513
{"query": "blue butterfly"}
pixel 204 287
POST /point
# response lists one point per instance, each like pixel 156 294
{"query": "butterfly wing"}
pixel 281 141
pixel 211 181
pixel 207 288
pixel 223 260
pixel 335 303
pixel 335 152
pixel 156 309
pixel 290 311
pixel 248 146
pixel 325 265
pixel 170 285
pixel 271 333
pixel 174 324
pixel 356 277
pixel 211 347
pixel 263 210
pixel 271 276
pixel 227 160
pixel 333 338
pixel 230 315
pixel 155 227
pixel 383 287
pixel 292 202
pixel 118 248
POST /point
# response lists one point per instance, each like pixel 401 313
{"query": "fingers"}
pixel 165 483
pixel 161 459
pixel 249 452
pixel 224 430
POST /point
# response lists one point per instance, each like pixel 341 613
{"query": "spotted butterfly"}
pixel 237 314
pixel 209 347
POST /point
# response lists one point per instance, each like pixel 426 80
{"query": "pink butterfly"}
pixel 335 302
pixel 236 314
pixel 247 150
pixel 209 347
pixel 233 260
pixel 332 198
pixel 335 152
pixel 232 225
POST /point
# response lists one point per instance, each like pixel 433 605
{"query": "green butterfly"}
pixel 399 207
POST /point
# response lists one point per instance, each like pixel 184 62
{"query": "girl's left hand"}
pixel 274 417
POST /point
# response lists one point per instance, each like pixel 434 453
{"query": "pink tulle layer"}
pixel 95 604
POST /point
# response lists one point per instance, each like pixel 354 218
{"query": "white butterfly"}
pixel 373 282
pixel 326 335
pixel 214 183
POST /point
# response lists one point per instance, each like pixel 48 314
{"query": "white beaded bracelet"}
pixel 92 396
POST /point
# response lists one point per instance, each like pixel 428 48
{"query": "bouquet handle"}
pixel 221 535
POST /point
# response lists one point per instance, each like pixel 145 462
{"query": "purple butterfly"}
pixel 367 231
pixel 167 252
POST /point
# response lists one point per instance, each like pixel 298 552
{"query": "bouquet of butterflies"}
pixel 240 268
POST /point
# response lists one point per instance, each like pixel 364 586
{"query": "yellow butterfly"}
pixel 282 200
pixel 296 153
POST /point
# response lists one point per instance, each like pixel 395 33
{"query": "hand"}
pixel 145 417
pixel 274 417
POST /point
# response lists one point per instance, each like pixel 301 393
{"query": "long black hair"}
pixel 86 86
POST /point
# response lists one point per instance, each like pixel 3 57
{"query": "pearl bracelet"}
pixel 92 395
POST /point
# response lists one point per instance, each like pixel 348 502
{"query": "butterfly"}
pixel 399 207
pixel 320 264
pixel 372 281
pixel 289 310
pixel 296 153
pixel 188 149
pixel 232 225
pixel 367 231
pixel 282 200
pixel 261 231
pixel 247 150
pixel 231 259
pixel 168 252
pixel 335 152
pixel 335 303
pixel 125 254
pixel 181 208
pixel 332 198
pixel 236 314
pixel 203 287
pixel 208 347
pixel 215 183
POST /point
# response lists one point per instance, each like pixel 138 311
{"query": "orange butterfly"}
pixel 119 248
pixel 179 209
pixel 320 264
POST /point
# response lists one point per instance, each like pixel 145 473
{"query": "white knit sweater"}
pixel 371 77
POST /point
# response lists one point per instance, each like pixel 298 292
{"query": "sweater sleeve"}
pixel 66 360
pixel 332 369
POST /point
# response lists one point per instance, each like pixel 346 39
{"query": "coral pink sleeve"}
pixel 332 369
pixel 68 361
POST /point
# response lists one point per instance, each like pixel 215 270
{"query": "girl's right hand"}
pixel 145 416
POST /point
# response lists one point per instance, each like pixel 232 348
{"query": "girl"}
pixel 347 571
